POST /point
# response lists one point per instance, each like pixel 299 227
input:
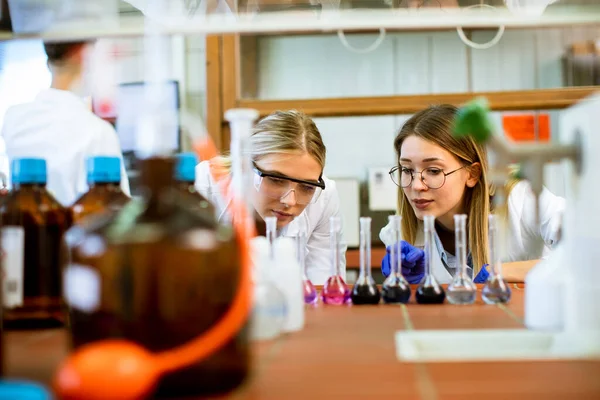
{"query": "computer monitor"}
pixel 129 103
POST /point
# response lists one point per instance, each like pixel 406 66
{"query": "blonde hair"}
pixel 434 124
pixel 285 132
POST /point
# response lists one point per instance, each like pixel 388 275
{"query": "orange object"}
pixel 522 127
pixel 121 370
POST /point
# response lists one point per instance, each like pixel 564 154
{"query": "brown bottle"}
pixel 159 273
pixel 185 177
pixel 32 239
pixel 104 194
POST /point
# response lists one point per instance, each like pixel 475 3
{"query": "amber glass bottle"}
pixel 159 273
pixel 33 227
pixel 185 178
pixel 104 194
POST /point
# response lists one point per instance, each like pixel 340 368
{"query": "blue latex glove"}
pixel 413 262
pixel 482 276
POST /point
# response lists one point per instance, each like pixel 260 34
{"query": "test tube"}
pixel 495 290
pixel 429 290
pixel 395 288
pixel 335 291
pixel 365 290
pixel 461 290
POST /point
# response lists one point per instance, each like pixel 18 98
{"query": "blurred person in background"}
pixel 59 126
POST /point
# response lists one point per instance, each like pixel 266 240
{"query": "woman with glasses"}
pixel 441 175
pixel 288 157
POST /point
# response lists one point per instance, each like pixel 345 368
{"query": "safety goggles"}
pixel 278 186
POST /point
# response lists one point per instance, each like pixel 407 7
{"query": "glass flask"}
pixel 395 288
pixel 461 290
pixel 495 290
pixel 310 292
pixel 365 290
pixel 429 290
pixel 185 179
pixel 159 273
pixel 104 194
pixel 335 291
pixel 34 224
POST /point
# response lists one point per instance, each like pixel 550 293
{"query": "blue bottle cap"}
pixel 23 390
pixel 185 170
pixel 29 171
pixel 101 169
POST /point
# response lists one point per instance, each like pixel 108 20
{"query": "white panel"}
pixel 196 71
pixel 486 64
pixel 131 68
pixel 383 192
pixel 411 63
pixel 549 51
pixel 510 65
pixel 320 66
pixel 349 192
pixel 355 143
pixel 196 42
pixel 449 72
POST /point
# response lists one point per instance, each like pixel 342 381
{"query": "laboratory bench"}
pixel 348 352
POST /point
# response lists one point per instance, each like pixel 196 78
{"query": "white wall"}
pixel 320 66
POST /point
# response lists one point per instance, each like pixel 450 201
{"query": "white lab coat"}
pixel 314 221
pixel 523 230
pixel 58 127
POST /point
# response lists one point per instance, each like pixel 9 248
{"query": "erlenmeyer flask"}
pixel 429 291
pixel 365 290
pixel 335 291
pixel 395 288
pixel 461 290
pixel 310 292
pixel 495 290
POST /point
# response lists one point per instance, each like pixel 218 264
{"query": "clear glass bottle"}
pixel 335 291
pixel 34 223
pixel 104 194
pixel 395 288
pixel 185 179
pixel 429 290
pixel 160 274
pixel 310 292
pixel 495 290
pixel 461 290
pixel 365 290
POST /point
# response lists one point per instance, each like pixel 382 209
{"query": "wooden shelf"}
pixel 543 99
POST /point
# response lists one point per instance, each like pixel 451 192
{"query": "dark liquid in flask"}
pixel 430 295
pixel 395 294
pixel 365 294
pixel 42 222
pixel 168 277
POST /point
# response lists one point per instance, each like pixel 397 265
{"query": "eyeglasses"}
pixel 278 186
pixel 432 177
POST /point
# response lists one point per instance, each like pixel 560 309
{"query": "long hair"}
pixel 434 124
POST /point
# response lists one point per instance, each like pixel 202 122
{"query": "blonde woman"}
pixel 288 157
pixel 440 175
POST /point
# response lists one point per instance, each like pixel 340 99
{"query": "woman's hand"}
pixel 413 262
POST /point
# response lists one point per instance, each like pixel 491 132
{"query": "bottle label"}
pixel 82 287
pixel 13 244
